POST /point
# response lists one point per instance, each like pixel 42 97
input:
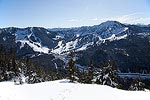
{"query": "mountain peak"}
pixel 111 24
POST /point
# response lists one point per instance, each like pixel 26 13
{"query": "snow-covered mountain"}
pixel 35 39
pixel 62 40
pixel 81 38
pixel 109 40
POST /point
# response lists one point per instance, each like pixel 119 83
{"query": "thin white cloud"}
pixel 75 20
pixel 133 18
pixel 145 20
pixel 129 18
pixel 72 20
pixel 94 19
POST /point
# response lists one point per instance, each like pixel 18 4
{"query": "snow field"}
pixel 63 90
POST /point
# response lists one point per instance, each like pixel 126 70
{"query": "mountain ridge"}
pixel 108 40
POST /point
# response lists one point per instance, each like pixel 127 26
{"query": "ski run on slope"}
pixel 73 45
pixel 63 90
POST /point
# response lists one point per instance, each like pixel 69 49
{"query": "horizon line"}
pixel 74 26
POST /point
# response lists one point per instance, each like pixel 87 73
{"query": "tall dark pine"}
pixel 2 62
pixel 82 77
pixel 90 72
pixel 71 69
pixel 13 61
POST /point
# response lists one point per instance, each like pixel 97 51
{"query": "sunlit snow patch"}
pixel 63 90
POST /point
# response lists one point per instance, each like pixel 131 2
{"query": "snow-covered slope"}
pixel 62 40
pixel 35 39
pixel 27 36
pixel 81 38
pixel 58 41
pixel 62 90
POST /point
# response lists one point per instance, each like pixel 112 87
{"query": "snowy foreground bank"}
pixel 62 90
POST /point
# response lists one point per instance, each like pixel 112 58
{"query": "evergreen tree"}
pixel 2 62
pixel 137 85
pixel 82 76
pixel 71 69
pixel 32 72
pixel 57 73
pixel 90 72
pixel 14 67
pixel 107 74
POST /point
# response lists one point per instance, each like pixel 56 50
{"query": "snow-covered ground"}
pixel 62 90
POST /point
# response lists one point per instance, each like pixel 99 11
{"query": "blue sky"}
pixel 72 13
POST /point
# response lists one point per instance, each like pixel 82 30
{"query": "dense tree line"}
pixel 22 70
pixel 105 74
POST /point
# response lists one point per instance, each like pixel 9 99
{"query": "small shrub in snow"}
pixel 137 85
